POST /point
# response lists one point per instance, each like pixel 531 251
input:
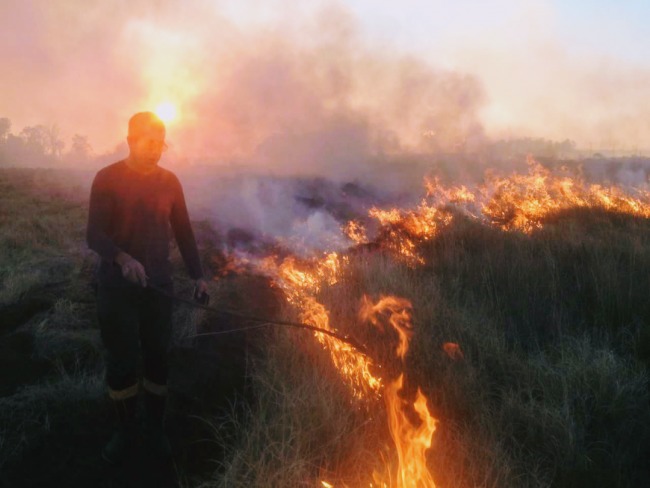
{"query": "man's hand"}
pixel 201 291
pixel 132 269
pixel 201 286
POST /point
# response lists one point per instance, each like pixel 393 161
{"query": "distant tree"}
pixel 567 147
pixel 14 150
pixel 42 144
pixel 5 128
pixel 35 139
pixel 55 144
pixel 80 149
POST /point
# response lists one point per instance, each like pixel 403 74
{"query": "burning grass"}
pixel 523 310
pixel 549 392
pixel 301 424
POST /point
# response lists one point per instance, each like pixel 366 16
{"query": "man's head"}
pixel 146 140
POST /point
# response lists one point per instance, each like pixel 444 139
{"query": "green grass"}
pixel 41 231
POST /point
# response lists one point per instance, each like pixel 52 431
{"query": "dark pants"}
pixel 134 320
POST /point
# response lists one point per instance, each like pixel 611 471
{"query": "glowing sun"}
pixel 166 111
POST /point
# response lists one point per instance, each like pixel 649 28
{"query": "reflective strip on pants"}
pixel 129 392
pixel 154 388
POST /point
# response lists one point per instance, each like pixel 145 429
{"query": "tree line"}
pixel 40 145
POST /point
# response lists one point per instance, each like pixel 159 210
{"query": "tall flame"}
pixel 399 318
pixel 300 283
pixel 411 441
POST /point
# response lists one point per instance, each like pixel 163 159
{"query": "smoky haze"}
pixel 330 101
pixel 279 97
pixel 306 94
pixel 267 103
pixel 309 85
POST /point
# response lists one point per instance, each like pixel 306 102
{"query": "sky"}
pixel 315 80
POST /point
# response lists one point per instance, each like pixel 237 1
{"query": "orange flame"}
pixel 300 282
pixel 356 232
pixel 411 441
pixel 518 202
pixel 522 202
pixel 400 318
pixel 403 230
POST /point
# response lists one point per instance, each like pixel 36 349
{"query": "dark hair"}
pixel 142 121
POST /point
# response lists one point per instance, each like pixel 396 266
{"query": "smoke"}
pixel 273 84
pixel 273 90
pixel 301 214
pixel 557 71
pixel 306 95
pixel 320 101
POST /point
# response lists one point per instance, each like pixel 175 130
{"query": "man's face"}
pixel 147 147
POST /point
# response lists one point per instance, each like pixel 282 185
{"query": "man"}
pixel 135 205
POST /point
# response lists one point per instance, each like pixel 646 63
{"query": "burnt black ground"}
pixel 207 380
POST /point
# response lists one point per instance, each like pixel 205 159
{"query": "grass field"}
pixel 552 389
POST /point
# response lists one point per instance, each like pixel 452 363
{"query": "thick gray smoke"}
pixel 325 104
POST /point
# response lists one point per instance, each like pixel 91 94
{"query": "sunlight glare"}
pixel 166 111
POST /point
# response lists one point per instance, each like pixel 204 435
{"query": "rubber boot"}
pixel 157 441
pixel 119 446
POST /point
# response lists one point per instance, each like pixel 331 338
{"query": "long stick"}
pixel 263 321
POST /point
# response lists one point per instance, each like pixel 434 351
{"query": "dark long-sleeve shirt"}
pixel 137 213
